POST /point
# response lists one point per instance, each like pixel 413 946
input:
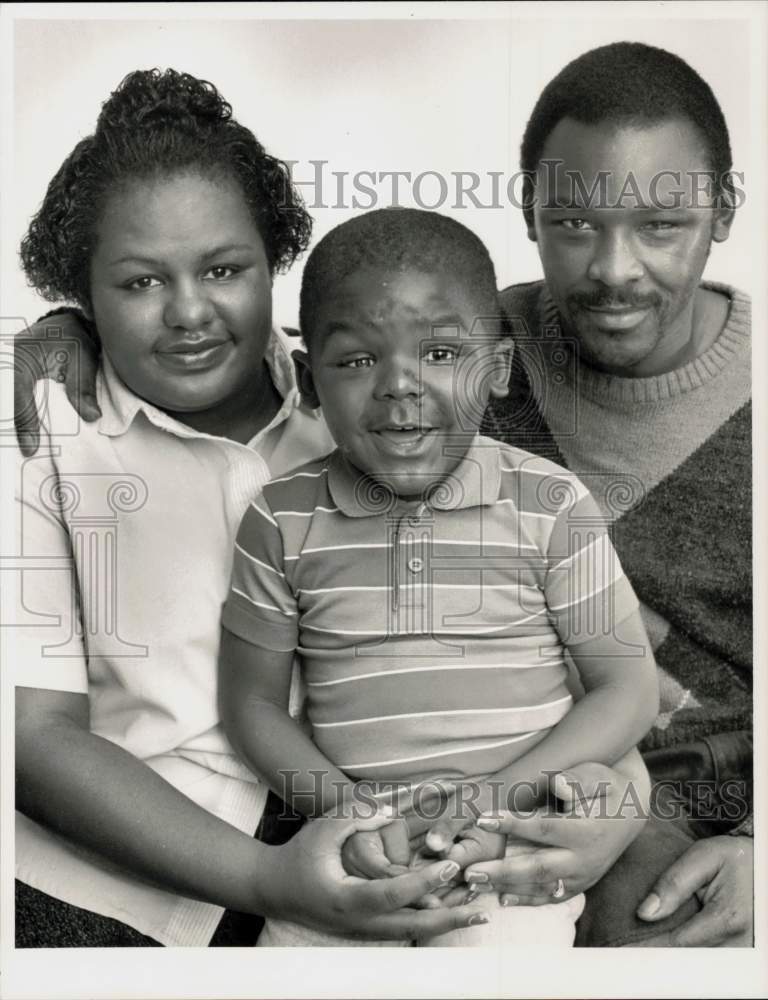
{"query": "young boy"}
pixel 431 580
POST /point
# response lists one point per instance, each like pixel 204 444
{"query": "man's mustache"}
pixel 613 299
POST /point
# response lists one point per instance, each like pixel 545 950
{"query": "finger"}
pixel 441 835
pixel 692 870
pixel 542 868
pixel 80 385
pixel 403 890
pixel 416 924
pixel 364 857
pixel 429 901
pixel 394 839
pixel 703 930
pixel 27 369
pixel 530 899
pixel 538 827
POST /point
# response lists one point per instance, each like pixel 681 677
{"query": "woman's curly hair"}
pixel 156 124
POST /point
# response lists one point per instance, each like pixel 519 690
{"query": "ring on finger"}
pixel 559 891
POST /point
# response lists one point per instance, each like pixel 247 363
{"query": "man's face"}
pixel 624 224
pixel 403 370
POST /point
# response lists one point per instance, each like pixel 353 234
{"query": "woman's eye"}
pixel 362 362
pixel 221 272
pixel 141 284
pixel 441 355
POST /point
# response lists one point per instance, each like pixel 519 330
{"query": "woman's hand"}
pixel 70 356
pixel 604 811
pixel 306 882
pixel 719 871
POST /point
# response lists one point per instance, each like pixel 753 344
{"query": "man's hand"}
pixel 38 355
pixel 719 872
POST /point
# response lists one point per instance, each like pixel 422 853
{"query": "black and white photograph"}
pixel 381 499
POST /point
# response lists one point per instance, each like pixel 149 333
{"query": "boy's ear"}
pixel 304 379
pixel 503 353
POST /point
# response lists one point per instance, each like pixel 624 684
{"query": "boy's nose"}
pixel 615 262
pixel 397 381
pixel 188 306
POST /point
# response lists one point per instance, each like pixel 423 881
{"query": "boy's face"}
pixel 403 368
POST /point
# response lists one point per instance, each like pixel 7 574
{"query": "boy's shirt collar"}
pixel 119 405
pixel 475 482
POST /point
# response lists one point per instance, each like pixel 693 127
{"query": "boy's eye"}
pixel 365 361
pixel 576 225
pixel 221 272
pixel 441 355
pixel 142 283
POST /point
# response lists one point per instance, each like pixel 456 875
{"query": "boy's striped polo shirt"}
pixel 431 634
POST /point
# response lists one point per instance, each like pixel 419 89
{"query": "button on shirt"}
pixel 142 512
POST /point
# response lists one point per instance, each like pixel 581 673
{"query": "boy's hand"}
pixel 377 853
pixel 475 845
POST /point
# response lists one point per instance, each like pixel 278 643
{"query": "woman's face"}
pixel 181 291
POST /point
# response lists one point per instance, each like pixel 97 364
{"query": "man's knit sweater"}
pixel 668 459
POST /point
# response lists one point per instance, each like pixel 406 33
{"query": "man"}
pixel 636 376
pixel 637 379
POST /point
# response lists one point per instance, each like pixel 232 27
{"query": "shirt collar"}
pixel 119 405
pixel 475 482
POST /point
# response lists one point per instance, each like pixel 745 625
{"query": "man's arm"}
pixel 58 346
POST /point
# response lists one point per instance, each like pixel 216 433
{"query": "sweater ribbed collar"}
pixel 734 339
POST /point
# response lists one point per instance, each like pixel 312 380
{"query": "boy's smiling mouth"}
pixel 401 439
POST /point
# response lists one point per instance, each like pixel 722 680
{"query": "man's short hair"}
pixel 397 240
pixel 628 83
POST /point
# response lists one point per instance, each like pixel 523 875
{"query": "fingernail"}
pixel 649 906
pixel 510 900
pixel 448 871
pixel 477 877
pixel 471 896
pixel 478 918
pixel 525 813
pixel 487 823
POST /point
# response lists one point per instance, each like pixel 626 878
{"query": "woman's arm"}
pixel 100 796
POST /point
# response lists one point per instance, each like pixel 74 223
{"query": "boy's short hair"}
pixel 397 239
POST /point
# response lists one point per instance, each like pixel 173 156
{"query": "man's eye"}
pixel 141 284
pixel 441 355
pixel 221 272
pixel 576 225
pixel 362 362
pixel 660 226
